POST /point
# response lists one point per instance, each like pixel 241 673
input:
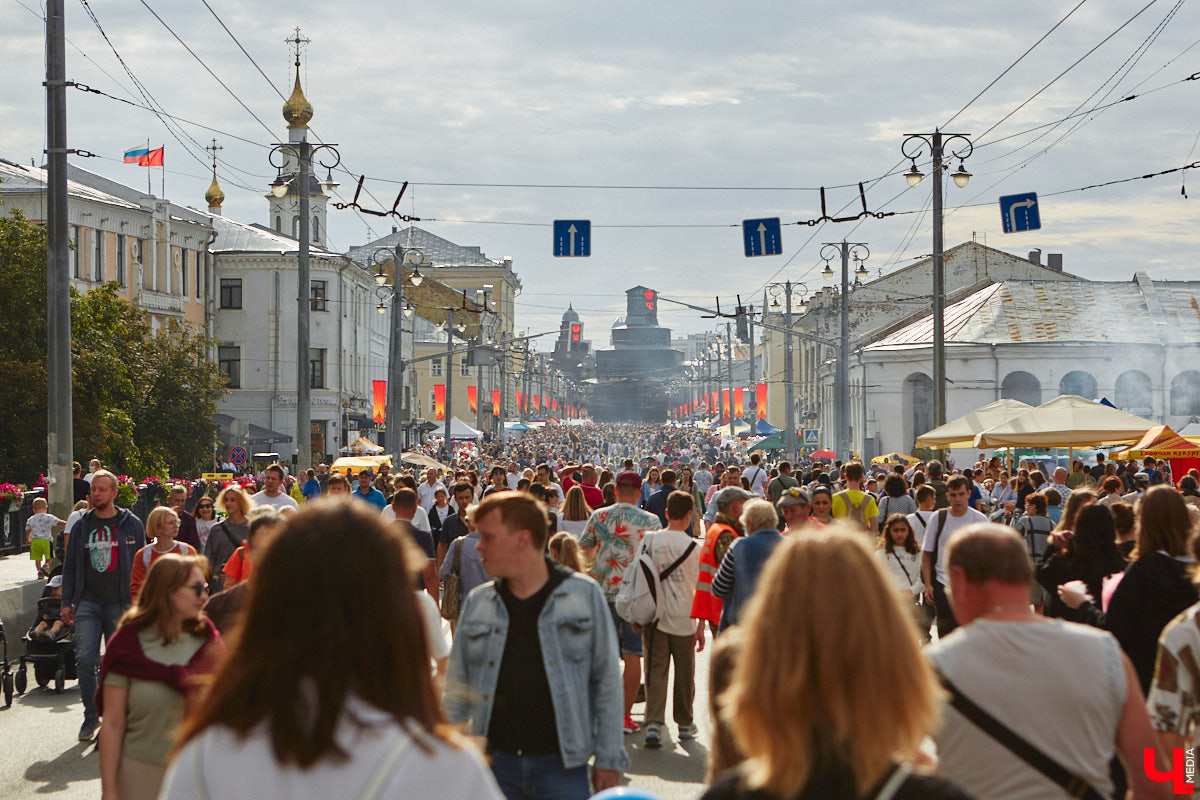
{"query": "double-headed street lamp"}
pixel 859 252
pixel 401 309
pixel 787 290
pixel 959 146
pixel 303 153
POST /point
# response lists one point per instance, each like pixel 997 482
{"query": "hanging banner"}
pixel 760 397
pixel 738 399
pixel 379 401
pixel 473 399
pixel 520 397
pixel 725 418
pixel 537 403
pixel 439 401
pixel 495 402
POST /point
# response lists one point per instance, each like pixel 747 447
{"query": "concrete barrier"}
pixel 19 593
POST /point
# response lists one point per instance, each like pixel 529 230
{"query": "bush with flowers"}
pixel 10 493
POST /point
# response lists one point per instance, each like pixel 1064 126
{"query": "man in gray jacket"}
pixel 532 668
pixel 95 590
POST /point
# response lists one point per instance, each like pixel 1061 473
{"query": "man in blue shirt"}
pixel 312 487
pixel 366 491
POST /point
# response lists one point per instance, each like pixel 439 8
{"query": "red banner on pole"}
pixel 473 399
pixel 725 409
pixel 760 397
pixel 537 402
pixel 439 401
pixel 520 397
pixel 738 399
pixel 495 402
pixel 379 401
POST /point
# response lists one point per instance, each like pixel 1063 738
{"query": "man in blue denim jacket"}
pixel 533 667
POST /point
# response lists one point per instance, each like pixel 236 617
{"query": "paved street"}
pixel 39 756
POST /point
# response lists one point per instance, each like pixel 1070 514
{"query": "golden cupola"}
pixel 214 196
pixel 297 111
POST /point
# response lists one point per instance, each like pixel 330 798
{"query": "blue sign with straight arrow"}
pixel 762 237
pixel 1019 212
pixel 572 237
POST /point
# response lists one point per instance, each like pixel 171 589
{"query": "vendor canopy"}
pixel 1161 442
pixel 1066 421
pixel 961 432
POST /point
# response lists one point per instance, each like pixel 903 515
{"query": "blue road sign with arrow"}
pixel 572 237
pixel 1019 212
pixel 762 237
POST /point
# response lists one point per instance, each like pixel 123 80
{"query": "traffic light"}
pixel 743 326
pixel 576 330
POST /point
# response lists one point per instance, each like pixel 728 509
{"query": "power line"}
pixel 1009 68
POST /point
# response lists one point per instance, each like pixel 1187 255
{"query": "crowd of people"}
pixel 877 631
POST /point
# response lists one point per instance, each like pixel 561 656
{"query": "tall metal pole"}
pixel 843 363
pixel 789 435
pixel 59 431
pixel 729 359
pixel 449 376
pixel 303 308
pixel 939 290
pixel 503 353
pixel 395 386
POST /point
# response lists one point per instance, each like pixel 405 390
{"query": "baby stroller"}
pixel 53 659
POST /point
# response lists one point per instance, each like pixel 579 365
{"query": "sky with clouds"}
pixel 750 106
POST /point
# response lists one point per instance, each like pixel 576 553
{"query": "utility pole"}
pixel 729 359
pixel 842 375
pixel 502 351
pixel 303 309
pixel 449 377
pixel 59 431
pixel 789 435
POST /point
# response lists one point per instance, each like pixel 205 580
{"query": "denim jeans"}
pixel 92 620
pixel 539 777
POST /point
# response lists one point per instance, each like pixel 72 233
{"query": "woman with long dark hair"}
pixel 1090 556
pixel 328 691
pixel 152 668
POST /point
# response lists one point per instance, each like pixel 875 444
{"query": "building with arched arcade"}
pixel 1136 343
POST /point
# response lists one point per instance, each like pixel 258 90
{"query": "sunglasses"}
pixel 200 589
pixel 793 492
pixel 205 505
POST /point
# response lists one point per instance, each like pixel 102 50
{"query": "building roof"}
pixel 22 178
pixel 129 194
pixel 441 252
pixel 1014 312
pixel 239 237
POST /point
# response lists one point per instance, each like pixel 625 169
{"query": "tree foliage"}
pixel 142 400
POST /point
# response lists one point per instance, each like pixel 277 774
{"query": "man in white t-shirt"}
pixel 273 494
pixel 1084 708
pixel 757 475
pixel 938 534
pixel 675 635
pixel 427 489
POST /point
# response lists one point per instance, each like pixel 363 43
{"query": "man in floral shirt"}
pixel 610 540
pixel 1173 702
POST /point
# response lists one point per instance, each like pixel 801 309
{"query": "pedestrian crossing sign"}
pixel 812 437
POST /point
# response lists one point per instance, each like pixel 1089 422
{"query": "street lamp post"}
pixel 402 255
pixel 859 252
pixel 938 143
pixel 304 153
pixel 786 289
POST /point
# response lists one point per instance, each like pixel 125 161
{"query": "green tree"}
pixel 142 402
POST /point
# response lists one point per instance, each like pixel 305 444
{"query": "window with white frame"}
pixel 435 368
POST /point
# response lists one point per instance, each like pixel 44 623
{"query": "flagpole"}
pixel 163 173
pixel 149 185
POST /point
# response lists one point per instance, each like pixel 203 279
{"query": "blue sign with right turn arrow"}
pixel 1019 212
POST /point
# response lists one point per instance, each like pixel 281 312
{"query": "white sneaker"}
pixel 653 735
pixel 687 732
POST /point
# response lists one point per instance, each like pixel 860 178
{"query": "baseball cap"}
pixel 55 582
pixel 731 494
pixel 793 496
pixel 629 480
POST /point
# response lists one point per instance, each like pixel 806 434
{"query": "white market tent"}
pixel 1066 421
pixel 961 432
pixel 461 430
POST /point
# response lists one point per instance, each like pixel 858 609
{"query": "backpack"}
pixel 637 596
pixel 857 513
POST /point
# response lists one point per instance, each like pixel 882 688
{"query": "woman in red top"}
pixel 161 527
